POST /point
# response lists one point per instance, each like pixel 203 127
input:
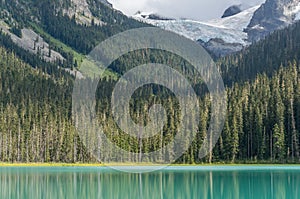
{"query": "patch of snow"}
pixel 258 27
pixel 238 22
pixel 292 10
pixel 297 17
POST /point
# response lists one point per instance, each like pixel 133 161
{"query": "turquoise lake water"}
pixel 170 183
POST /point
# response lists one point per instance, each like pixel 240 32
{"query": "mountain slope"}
pixel 36 121
pixel 61 31
pixel 263 109
pixel 279 49
pixel 273 15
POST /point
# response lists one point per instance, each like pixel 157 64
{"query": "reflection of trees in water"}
pixel 92 183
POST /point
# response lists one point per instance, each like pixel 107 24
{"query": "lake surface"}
pixel 170 183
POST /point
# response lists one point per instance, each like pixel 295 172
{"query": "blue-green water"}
pixel 170 183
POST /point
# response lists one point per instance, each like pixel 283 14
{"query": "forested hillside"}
pixel 265 56
pixel 36 120
pixel 68 27
pixel 263 123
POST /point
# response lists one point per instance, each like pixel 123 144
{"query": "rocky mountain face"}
pixel 152 16
pixel 106 3
pixel 219 48
pixel 271 16
pixel 232 10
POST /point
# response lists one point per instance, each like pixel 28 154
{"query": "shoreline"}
pixel 3 164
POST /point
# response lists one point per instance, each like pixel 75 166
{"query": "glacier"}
pixel 229 29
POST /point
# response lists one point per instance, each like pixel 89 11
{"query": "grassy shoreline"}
pixel 3 164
